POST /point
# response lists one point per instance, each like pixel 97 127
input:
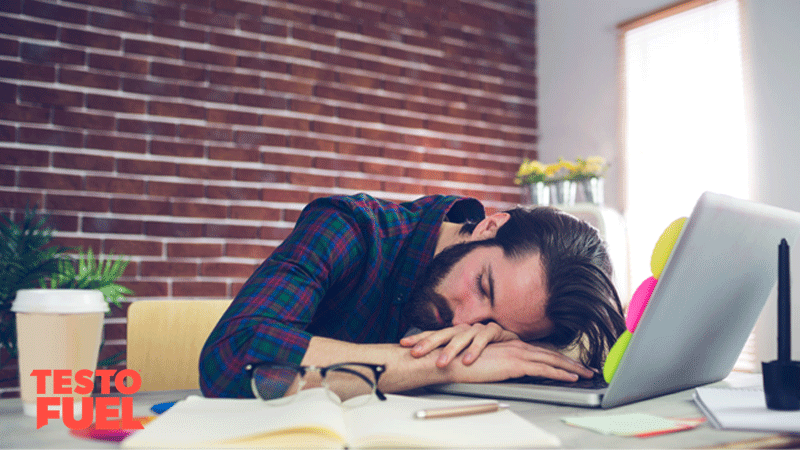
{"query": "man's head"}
pixel 540 273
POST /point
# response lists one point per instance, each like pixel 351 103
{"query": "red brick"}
pixel 106 225
pixel 292 86
pixel 116 143
pixel 285 195
pixel 149 288
pixel 239 80
pixel 392 170
pixel 316 37
pixel 81 120
pixel 232 117
pixel 219 230
pixel 205 172
pixel 313 107
pixel 337 164
pixel 20 113
pixel 16 26
pixel 209 94
pixel 20 157
pixel 215 19
pixel 209 57
pixel 218 133
pixel 334 128
pixel 199 289
pixel 169 109
pixel 154 88
pixel 50 181
pixel 47 96
pixel 179 33
pixel 227 270
pixel 176 148
pixel 364 115
pixel 181 72
pixel 116 185
pixel 82 78
pixel 239 250
pixel 193 250
pixel 307 179
pixel 50 137
pixel 404 188
pixel 254 213
pixel 124 64
pixel 260 175
pixel 125 23
pixel 151 48
pixel 147 127
pixel 234 42
pixel 234 154
pixel 359 184
pixel 55 12
pixel 263 28
pixel 168 268
pixel 194 210
pixel 143 167
pixel 30 72
pixel 90 39
pixel 16 199
pixel 83 203
pixel 168 189
pixel 273 233
pixel 173 229
pixel 233 193
pixel 296 51
pixel 252 138
pixel 118 104
pixel 303 142
pixel 141 207
pixel 263 64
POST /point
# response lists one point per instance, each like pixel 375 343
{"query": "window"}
pixel 683 120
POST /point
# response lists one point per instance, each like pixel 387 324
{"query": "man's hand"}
pixel 471 339
pixel 512 359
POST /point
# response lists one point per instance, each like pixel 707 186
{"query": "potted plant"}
pixel 535 175
pixel 588 173
pixel 29 260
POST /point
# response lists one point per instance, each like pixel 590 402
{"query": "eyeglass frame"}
pixel 377 370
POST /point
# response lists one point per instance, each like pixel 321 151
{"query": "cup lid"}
pixel 59 301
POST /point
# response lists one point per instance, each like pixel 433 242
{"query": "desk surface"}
pixel 19 431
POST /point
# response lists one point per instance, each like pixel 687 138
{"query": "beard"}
pixel 425 304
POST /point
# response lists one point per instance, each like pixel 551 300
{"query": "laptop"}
pixel 707 300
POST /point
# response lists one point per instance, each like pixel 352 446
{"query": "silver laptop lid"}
pixel 707 300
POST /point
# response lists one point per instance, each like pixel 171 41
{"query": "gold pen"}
pixel 456 411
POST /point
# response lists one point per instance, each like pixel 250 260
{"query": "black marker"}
pixel 782 377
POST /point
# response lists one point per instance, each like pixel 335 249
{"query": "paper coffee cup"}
pixel 57 329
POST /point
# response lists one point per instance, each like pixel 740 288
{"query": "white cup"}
pixel 57 329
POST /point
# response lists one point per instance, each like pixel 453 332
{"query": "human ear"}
pixel 487 228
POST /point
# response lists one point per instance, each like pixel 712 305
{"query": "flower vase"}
pixel 564 192
pixel 592 190
pixel 538 193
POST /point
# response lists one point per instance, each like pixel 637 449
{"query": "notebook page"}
pixel 391 423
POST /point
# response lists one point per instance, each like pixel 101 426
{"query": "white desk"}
pixel 19 431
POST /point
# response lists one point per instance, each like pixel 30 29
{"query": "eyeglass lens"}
pixel 343 381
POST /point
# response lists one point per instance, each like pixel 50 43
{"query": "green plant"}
pixel 100 273
pixel 28 259
pixel 26 256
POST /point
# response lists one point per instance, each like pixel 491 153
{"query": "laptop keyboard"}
pixel 591 383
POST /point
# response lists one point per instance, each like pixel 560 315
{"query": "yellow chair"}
pixel 165 338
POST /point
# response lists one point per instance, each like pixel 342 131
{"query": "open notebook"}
pixel 314 421
pixel 707 300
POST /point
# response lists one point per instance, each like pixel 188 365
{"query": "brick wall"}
pixel 189 135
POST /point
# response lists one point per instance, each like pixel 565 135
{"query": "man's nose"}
pixel 470 313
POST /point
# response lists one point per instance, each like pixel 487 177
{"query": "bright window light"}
pixel 684 121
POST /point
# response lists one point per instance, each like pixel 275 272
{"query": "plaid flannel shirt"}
pixel 344 272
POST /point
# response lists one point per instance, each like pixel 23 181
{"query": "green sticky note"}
pixel 626 424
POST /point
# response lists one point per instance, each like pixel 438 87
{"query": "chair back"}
pixel 165 338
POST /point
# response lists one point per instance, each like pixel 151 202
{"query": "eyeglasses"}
pixel 273 381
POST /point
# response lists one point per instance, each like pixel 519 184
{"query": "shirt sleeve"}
pixel 267 320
